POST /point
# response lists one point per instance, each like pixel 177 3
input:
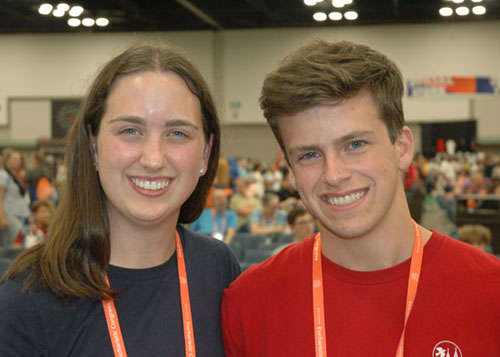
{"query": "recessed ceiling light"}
pixel 76 11
pixel 58 13
pixel 63 7
pixel 335 16
pixel 102 21
pixel 351 15
pixel 477 0
pixel 338 3
pixel 446 11
pixel 347 2
pixel 479 10
pixel 458 1
pixel 320 16
pixel 310 2
pixel 462 11
pixel 45 9
pixel 88 22
pixel 74 22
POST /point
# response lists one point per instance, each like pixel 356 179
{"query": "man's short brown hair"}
pixel 322 72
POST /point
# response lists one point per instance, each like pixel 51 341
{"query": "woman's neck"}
pixel 140 247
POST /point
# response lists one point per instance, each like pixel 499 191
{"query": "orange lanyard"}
pixel 115 333
pixel 319 306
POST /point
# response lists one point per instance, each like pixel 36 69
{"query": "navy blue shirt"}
pixel 37 323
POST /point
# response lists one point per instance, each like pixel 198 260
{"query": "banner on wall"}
pixel 451 86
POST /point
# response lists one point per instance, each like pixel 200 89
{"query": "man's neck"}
pixel 375 251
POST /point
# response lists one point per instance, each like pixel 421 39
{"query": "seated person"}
pixel 218 220
pixel 43 210
pixel 302 225
pixel 269 220
pixel 289 197
pixel 243 203
pixel 476 235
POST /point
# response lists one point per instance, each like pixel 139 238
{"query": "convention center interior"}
pixel 447 51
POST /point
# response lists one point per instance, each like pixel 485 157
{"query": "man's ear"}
pixel 405 148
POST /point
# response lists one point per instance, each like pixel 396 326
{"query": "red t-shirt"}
pixel 267 311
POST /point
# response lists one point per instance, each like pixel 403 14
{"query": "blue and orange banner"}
pixel 449 86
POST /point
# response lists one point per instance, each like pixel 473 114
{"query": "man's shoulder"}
pixel 461 256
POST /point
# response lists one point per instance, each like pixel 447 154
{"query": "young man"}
pixel 357 287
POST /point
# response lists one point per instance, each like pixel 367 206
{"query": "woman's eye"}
pixel 178 133
pixel 356 144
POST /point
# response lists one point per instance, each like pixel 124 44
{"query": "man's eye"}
pixel 309 155
pixel 356 144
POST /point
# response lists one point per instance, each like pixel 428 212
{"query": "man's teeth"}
pixel 345 200
pixel 150 185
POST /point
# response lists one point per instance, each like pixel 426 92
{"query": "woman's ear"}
pixel 206 154
pixel 93 146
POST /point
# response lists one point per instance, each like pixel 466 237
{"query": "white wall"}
pixel 464 49
pixel 236 61
pixel 63 65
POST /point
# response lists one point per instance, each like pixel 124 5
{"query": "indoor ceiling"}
pixel 21 16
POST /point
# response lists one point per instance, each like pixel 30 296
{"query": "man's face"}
pixel 346 169
pixel 220 200
pixel 303 227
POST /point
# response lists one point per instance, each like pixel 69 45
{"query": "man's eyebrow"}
pixel 140 121
pixel 338 141
pixel 351 136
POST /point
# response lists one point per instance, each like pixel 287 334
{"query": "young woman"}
pixel 117 273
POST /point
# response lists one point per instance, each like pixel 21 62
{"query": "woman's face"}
pixel 14 162
pixel 150 147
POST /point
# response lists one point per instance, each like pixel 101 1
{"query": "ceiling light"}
pixel 45 9
pixel 319 16
pixel 58 13
pixel 88 22
pixel 63 7
pixel 446 11
pixel 458 1
pixel 310 2
pixel 338 3
pixel 351 15
pixel 102 21
pixel 477 0
pixel 347 2
pixel 335 16
pixel 74 22
pixel 479 10
pixel 76 11
pixel 462 11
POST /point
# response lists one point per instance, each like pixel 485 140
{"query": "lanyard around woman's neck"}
pixel 319 306
pixel 114 325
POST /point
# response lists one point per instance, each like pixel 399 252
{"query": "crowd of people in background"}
pixel 251 196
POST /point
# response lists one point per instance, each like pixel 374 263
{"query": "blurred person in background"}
pixel 217 221
pixel 269 220
pixel 302 226
pixel 35 232
pixel 476 235
pixel 243 204
pixel 14 208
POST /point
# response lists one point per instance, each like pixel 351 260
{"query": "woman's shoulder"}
pixel 202 242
